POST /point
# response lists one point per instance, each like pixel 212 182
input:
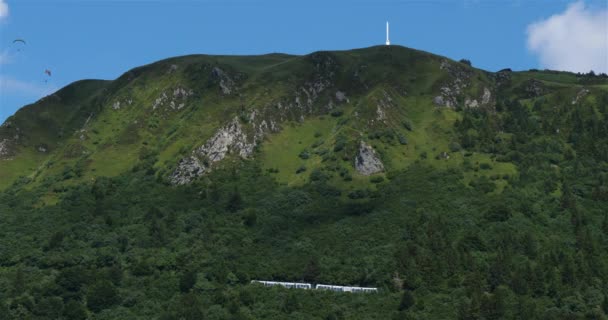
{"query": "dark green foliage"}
pixel 235 202
pixel 55 240
pixel 465 61
pixel 440 239
pixel 407 124
pixel 189 307
pixel 407 301
pixel 377 179
pixel 187 281
pixel 75 310
pixel 337 113
pixel 102 295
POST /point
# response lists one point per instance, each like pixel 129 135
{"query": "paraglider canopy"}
pixel 47 71
pixel 18 44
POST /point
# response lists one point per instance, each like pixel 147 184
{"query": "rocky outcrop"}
pixel 485 99
pixel 187 170
pixel 172 99
pixel 4 151
pixel 581 94
pixel 382 104
pixel 367 161
pixel 503 77
pixel 229 139
pixel 450 92
pixel 119 104
pixel 227 85
pixel 534 88
pixel 341 96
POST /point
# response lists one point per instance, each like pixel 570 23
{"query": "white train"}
pixel 300 285
pixel 345 288
pixel 284 284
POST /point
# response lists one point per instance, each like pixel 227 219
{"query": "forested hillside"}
pixel 459 193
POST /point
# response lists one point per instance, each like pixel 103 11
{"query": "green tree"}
pixel 18 282
pixel 102 295
pixel 312 271
pixel 407 301
pixel 235 202
pixel 75 310
pixel 187 281
pixel 189 307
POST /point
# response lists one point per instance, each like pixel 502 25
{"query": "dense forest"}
pixel 501 213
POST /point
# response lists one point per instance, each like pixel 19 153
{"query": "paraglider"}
pixel 19 43
pixel 48 73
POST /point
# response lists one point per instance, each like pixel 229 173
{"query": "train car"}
pixel 295 285
pixel 329 287
pixel 345 288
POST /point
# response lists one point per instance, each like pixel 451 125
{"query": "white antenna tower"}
pixel 388 42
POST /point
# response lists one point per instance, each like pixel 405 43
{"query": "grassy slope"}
pixel 115 139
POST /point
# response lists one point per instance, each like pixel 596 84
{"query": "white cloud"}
pixel 575 40
pixel 3 9
pixel 11 86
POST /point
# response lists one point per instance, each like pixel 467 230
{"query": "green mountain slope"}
pixel 460 193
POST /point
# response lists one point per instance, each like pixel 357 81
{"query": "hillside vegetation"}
pixel 459 193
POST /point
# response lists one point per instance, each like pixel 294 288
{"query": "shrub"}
pixel 407 124
pixel 300 169
pixel 340 144
pixel 377 179
pixel 317 175
pixel 454 146
pixel 358 194
pixel 465 61
pixel 337 113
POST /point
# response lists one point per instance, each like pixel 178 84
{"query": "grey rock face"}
pixel 175 99
pixel 341 96
pixel 535 88
pixel 450 91
pixel 226 83
pixel 438 101
pixel 367 161
pixel 581 94
pixel 503 77
pixel 187 170
pixel 471 103
pixel 229 139
pixel 4 151
pixel 487 96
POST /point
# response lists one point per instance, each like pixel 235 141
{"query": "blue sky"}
pixel 84 39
